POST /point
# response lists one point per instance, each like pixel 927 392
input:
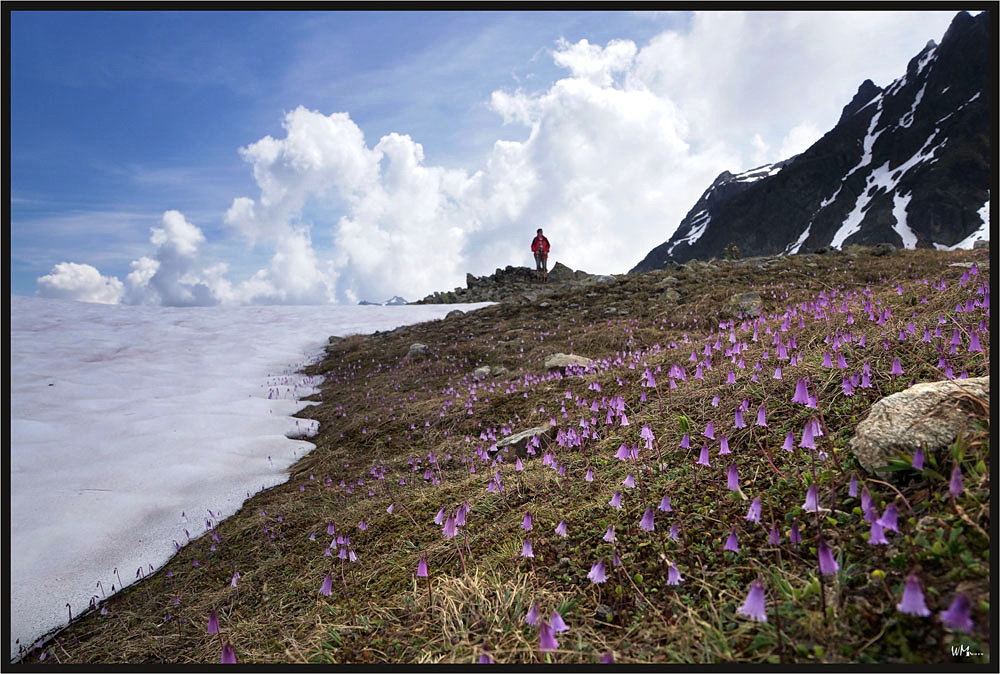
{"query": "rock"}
pixel 748 304
pixel 560 360
pixel 335 340
pixel 670 295
pixel 602 279
pixel 418 350
pixel 544 305
pixel 929 416
pixel 454 313
pixel 980 244
pixel 482 372
pixel 519 441
pixel 499 371
pixel 561 272
pixel 882 249
pixel 604 613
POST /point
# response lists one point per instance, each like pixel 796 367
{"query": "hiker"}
pixel 540 247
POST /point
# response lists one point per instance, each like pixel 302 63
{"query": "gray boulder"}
pixel 561 360
pixel 929 416
pixel 518 442
pixel 418 350
pixel 454 313
pixel 747 303
pixel 981 243
pixel 481 372
pixel 560 273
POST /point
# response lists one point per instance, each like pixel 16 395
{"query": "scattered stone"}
pixel 519 441
pixel 980 244
pixel 544 305
pixel 499 371
pixel 882 249
pixel 561 273
pixel 604 613
pixel 482 372
pixel 454 313
pixel 670 295
pixel 418 350
pixel 929 416
pixel 748 304
pixel 335 340
pixel 560 360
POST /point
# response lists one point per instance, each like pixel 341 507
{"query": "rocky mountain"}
pixel 907 165
pixel 393 301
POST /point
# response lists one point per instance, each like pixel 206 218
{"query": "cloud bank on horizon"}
pixel 611 156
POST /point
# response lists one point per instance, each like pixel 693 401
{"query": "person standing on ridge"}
pixel 540 247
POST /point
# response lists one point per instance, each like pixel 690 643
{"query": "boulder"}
pixel 561 272
pixel 981 243
pixel 670 295
pixel 929 416
pixel 881 249
pixel 561 360
pixel 747 304
pixel 418 350
pixel 454 313
pixel 518 442
pixel 481 372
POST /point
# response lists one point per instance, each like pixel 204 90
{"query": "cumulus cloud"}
pixel 612 156
pixel 82 282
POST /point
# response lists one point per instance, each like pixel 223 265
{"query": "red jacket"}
pixel 540 244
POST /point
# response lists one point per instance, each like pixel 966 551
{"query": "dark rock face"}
pixel 907 165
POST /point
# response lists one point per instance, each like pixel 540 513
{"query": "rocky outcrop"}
pixel 518 442
pixel 927 416
pixel 515 284
pixel 559 361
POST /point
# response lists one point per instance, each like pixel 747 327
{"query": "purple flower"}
pixel 439 518
pixel 896 367
pixel 629 481
pixel 609 535
pixel 589 477
pixel 913 598
pixel 732 478
pixel 213 623
pixel 450 530
pixel 675 532
pixel 673 575
pixel 827 564
pixel 665 504
pixel 422 567
pixel 724 445
pixel 484 659
pixel 852 487
pixel 228 655
pixel 812 499
pixel 616 500
pixel 622 453
pixel 647 520
pixel 546 640
pixel 526 522
pixel 686 441
pixel 918 459
pixel 773 536
pixel 955 487
pixel 789 445
pixel 732 544
pixel 877 535
pixel 561 529
pixel 607 659
pixel 517 466
pixel 777 372
pixel 703 457
pixel 526 550
pixel 558 624
pixel 753 607
pixel 761 416
pixel 888 519
pixel 801 394
pixel 958 616
pixel 794 536
pixel 597 573
pixel 709 431
pixel 753 513
pixel 532 617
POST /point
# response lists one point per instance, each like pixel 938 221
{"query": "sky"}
pixel 206 158
pixel 177 415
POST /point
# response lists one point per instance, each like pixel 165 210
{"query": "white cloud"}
pixel 799 139
pixel 82 282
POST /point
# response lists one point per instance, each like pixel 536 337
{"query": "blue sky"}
pixel 300 157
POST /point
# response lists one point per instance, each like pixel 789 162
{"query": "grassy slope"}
pixel 382 415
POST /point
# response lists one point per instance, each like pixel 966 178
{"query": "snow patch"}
pixel 698 226
pixel 899 205
pixel 881 179
pixel 981 234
